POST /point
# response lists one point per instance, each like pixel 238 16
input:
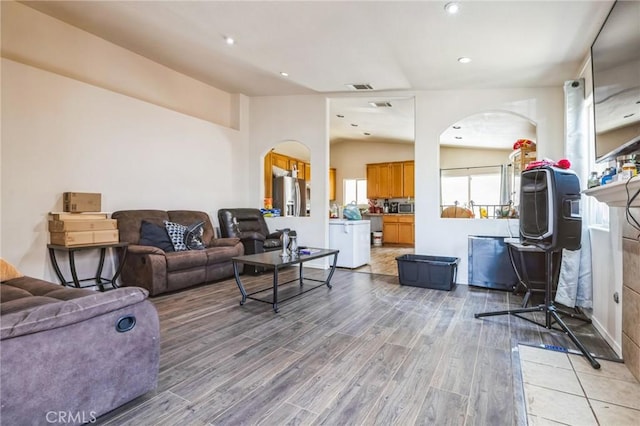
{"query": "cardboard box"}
pixel 78 238
pixel 78 216
pixel 81 202
pixel 82 225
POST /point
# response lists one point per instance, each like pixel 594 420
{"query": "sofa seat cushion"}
pixel 272 243
pixel 223 254
pixel 179 260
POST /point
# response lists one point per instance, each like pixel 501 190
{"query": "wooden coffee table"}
pixel 273 259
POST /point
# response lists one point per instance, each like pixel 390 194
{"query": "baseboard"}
pixel 605 334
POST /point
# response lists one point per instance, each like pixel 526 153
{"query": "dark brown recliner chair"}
pixel 249 225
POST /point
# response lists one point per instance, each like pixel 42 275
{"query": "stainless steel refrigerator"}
pixel 290 196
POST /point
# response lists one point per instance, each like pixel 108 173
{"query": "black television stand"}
pixel 552 314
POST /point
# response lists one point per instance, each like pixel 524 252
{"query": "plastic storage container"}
pixel 435 272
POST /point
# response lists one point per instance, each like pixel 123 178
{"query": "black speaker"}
pixel 550 208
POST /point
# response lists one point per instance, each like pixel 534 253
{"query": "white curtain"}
pixel 575 284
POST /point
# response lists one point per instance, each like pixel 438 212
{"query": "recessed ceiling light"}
pixel 229 40
pixel 354 125
pixel 458 137
pixel 452 8
pixel 367 134
pixel 340 116
pixel 457 127
pixel 464 60
pixel 284 74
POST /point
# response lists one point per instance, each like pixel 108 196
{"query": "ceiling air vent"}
pixel 360 86
pixel 380 104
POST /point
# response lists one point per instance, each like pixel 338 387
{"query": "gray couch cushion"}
pixel 34 305
pixel 18 294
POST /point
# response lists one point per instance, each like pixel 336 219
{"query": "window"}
pixel 473 188
pixel 355 190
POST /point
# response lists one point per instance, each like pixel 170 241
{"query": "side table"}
pixel 98 280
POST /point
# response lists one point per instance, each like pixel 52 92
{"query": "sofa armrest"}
pixel 250 236
pixel 276 234
pixel 146 267
pixel 63 313
pixel 223 242
pixel 138 249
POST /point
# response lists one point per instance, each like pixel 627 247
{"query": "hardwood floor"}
pixel 367 352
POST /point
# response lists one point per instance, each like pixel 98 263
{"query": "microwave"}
pixel 406 208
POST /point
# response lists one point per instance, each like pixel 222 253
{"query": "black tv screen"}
pixel 615 61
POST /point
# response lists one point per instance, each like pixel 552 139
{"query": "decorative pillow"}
pixel 155 236
pixel 176 234
pixel 8 271
pixel 193 236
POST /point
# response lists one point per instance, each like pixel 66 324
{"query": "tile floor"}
pixel 563 389
pixel 383 260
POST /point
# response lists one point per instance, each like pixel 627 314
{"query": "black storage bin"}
pixel 435 272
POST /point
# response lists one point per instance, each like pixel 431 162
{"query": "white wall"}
pixel 437 110
pixel 451 157
pixel 275 119
pixel 304 118
pixel 82 114
pixel 59 134
pixel 33 38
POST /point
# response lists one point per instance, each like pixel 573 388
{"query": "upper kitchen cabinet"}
pixel 332 184
pixel 373 180
pixel 408 179
pixel 278 160
pixel 388 180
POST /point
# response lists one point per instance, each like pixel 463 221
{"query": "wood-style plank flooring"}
pixel 367 352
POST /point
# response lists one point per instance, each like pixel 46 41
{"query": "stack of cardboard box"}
pixel 82 222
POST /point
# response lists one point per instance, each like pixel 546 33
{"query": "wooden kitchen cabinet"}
pixel 281 161
pixel 387 180
pixel 332 184
pixel 408 179
pixel 390 230
pixel 398 229
pixel 395 180
pixel 304 169
pixel 373 179
pixel 406 229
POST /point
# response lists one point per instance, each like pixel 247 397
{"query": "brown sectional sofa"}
pixel 63 359
pixel 159 271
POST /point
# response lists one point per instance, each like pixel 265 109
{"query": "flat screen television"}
pixel 615 62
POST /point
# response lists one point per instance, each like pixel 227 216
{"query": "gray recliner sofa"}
pixel 70 355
